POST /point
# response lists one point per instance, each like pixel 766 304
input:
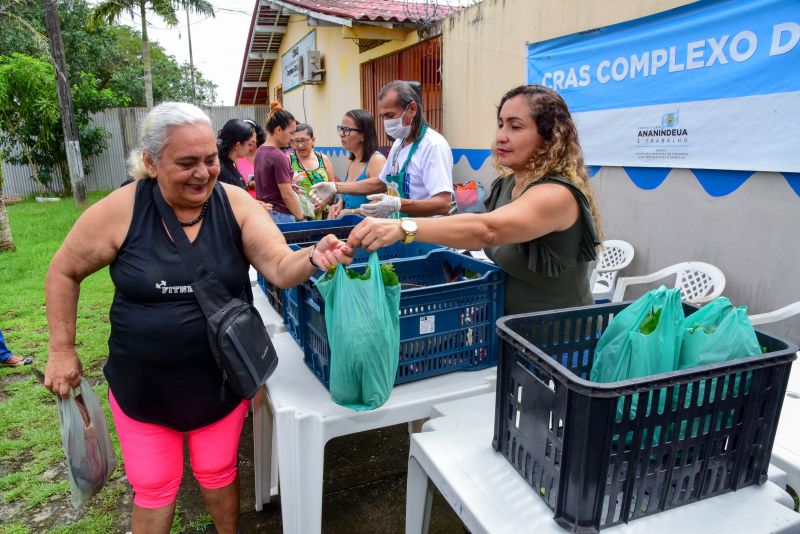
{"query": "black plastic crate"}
pixel 696 433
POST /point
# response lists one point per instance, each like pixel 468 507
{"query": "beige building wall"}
pixel 485 54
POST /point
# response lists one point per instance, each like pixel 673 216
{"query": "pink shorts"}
pixel 153 454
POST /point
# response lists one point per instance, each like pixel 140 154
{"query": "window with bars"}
pixel 421 62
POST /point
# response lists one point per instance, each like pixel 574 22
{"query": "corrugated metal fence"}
pixel 107 170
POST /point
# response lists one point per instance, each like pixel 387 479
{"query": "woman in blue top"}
pixel 357 134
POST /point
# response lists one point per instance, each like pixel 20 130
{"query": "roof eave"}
pixel 289 7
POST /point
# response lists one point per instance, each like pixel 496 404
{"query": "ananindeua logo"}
pixel 668 132
pixel 165 289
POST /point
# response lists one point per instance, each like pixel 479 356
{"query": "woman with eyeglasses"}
pixel 310 167
pixel 357 135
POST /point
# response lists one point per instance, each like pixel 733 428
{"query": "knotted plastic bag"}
pixel 87 445
pixel 362 316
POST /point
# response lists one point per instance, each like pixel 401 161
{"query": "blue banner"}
pixel 711 85
pixel 707 50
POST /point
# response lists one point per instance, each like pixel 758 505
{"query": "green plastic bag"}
pixel 717 333
pixel 362 316
pixel 643 339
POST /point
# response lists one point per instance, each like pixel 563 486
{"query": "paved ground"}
pixel 364 489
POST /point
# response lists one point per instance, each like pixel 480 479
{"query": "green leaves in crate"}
pixel 387 274
pixel 650 322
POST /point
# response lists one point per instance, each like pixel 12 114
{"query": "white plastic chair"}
pixel 776 315
pixel 614 256
pixel 699 282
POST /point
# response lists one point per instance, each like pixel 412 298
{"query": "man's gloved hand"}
pixel 322 192
pixel 382 206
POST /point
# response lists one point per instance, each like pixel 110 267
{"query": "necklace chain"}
pixel 198 218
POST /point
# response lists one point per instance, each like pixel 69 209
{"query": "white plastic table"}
pixel 297 418
pixel 454 452
pixel 786 450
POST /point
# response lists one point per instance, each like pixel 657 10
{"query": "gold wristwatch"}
pixel 410 228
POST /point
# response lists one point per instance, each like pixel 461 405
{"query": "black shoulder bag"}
pixel 239 342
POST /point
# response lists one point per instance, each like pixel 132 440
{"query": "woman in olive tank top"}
pixel 542 226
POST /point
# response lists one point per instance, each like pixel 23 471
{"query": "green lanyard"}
pixel 396 183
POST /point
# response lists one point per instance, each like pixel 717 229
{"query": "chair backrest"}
pixel 776 315
pixel 614 256
pixel 699 282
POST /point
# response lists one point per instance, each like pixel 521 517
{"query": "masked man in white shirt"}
pixel 417 180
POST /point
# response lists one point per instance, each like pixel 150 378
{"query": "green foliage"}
pixel 105 70
pixel 387 273
pixel 30 116
pixel 29 112
pixel 165 73
pixel 95 522
pixel 171 81
pixel 200 523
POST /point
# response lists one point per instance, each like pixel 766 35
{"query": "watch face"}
pixel 408 226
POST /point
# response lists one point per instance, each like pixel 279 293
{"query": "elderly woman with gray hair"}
pixel 163 381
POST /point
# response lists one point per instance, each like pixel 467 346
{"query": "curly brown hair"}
pixel 560 153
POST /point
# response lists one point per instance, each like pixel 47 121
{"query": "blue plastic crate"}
pixel 289 302
pixel 444 327
pixel 313 231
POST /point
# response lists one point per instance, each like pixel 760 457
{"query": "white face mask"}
pixel 395 128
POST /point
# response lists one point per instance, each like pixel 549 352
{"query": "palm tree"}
pixel 110 10
pixel 6 240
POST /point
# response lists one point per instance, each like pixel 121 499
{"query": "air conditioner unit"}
pixel 311 70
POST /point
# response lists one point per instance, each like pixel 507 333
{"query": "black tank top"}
pixel 160 366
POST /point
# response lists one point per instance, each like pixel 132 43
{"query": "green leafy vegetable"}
pixel 706 330
pixel 387 274
pixel 650 322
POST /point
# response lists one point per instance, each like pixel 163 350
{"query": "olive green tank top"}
pixel 551 271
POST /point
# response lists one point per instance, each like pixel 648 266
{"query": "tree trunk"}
pixel 6 240
pixel 66 184
pixel 68 124
pixel 148 77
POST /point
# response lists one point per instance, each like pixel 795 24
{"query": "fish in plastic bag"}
pixel 87 444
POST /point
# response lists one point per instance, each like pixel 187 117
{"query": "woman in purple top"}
pixel 272 170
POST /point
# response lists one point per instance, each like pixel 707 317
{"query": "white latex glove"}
pixel 383 206
pixel 322 192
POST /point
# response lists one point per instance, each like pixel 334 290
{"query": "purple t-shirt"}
pixel 271 168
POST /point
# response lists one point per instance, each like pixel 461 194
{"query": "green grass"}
pixel 30 442
pixel 29 428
